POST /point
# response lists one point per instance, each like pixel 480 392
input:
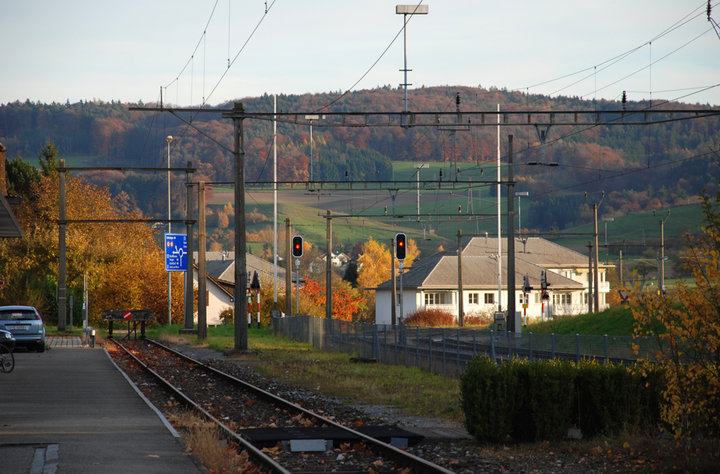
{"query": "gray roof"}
pixel 9 226
pixel 535 250
pixel 221 266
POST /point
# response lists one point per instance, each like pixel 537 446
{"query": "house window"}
pixel 473 298
pixel 489 298
pixel 434 299
pixel 562 298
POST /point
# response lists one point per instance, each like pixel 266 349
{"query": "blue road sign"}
pixel 176 252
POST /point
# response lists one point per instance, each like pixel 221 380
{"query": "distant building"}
pixel 221 280
pixel 432 282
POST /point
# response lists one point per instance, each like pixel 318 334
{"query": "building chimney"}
pixel 3 176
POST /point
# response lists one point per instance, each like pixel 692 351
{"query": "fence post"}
pixel 531 352
pixel 492 345
pixel 607 354
pixel 552 339
pixel 417 345
pixel 577 348
pixel 444 369
pixel 405 344
pixel 430 350
pixel 458 352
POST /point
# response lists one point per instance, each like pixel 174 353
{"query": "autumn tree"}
pixel 347 301
pixel 124 263
pixel 686 329
pixel 374 268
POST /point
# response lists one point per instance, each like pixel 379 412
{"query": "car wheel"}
pixel 41 347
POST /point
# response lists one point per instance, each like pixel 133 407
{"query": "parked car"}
pixel 26 326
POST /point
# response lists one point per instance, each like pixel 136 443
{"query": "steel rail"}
pixel 254 452
pixel 416 463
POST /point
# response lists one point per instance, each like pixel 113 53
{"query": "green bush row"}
pixel 520 400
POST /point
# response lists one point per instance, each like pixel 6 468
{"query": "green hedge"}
pixel 520 400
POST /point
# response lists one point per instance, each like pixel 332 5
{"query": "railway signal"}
pixel 400 246
pixel 297 246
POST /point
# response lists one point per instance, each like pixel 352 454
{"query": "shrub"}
pixel 520 400
pixel 430 318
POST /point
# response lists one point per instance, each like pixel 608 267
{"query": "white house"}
pixel 432 282
pixel 220 283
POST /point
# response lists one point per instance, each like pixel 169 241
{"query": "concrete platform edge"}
pixel 159 414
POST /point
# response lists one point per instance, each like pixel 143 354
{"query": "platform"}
pixel 70 410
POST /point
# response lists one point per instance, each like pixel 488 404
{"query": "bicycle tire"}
pixel 7 359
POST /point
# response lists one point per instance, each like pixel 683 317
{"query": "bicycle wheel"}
pixel 7 359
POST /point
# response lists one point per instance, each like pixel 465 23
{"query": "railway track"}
pixel 273 434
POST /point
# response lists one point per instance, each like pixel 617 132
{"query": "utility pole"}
pixel 189 320
pixel 662 253
pixel 202 264
pixel 328 268
pixel 393 296
pixel 511 240
pixel 461 310
pixel 62 269
pixel 595 271
pixel 238 116
pixel 590 277
pixel 288 270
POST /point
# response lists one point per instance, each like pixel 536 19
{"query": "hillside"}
pixel 640 168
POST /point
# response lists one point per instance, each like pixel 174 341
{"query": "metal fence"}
pixel 446 351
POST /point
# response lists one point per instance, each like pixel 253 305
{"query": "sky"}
pixel 130 51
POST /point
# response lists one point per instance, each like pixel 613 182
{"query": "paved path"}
pixel 73 411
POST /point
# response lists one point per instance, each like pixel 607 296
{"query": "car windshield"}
pixel 17 315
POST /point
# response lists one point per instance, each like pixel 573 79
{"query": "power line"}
pixel 614 60
pixel 341 96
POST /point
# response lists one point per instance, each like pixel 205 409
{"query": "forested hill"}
pixel 639 167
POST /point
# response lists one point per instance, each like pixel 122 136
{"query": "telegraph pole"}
pixel 189 323
pixel 393 296
pixel 202 264
pixel 62 269
pixel 238 115
pixel 511 240
pixel 461 309
pixel 328 268
pixel 288 270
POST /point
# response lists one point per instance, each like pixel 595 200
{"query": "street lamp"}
pixel 406 10
pixel 662 251
pixel 169 140
pixel 311 118
pixel 419 166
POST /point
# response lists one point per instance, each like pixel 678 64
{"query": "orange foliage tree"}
pixel 347 301
pixel 374 268
pixel 124 263
pixel 686 328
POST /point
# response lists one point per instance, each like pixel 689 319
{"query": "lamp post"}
pixel 419 166
pixel 311 118
pixel 406 10
pixel 169 140
pixel 662 252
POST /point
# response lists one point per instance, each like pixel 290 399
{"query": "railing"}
pixel 446 351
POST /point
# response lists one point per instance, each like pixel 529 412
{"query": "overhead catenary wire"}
pixel 603 65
